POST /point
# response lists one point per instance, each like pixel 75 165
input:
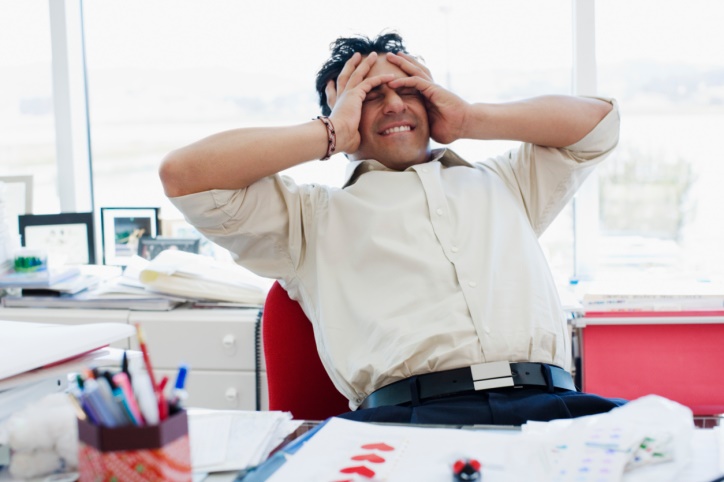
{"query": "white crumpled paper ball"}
pixel 43 437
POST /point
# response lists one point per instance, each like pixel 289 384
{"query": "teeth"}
pixel 396 129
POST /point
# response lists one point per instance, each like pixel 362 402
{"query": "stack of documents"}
pixel 96 287
pixel 38 279
pixel 668 299
pixel 224 440
pixel 198 277
pixel 108 295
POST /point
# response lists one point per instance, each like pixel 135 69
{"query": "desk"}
pixel 506 455
pixel 705 466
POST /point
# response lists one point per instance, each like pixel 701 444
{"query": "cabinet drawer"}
pixel 221 390
pixel 204 342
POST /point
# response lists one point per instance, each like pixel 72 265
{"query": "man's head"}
pixel 342 50
pixel 393 123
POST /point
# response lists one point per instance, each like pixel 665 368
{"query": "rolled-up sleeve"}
pixel 598 143
pixel 546 178
pixel 262 225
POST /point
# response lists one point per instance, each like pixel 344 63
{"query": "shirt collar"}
pixel 355 169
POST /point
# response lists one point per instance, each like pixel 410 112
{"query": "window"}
pixel 27 139
pixel 221 65
pixel 661 193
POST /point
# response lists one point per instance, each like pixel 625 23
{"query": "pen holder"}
pixel 156 452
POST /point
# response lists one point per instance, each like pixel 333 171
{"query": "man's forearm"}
pixel 237 158
pixel 553 121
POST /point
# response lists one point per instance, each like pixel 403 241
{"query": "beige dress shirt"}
pixel 408 272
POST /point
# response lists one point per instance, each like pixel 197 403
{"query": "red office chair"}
pixel 296 379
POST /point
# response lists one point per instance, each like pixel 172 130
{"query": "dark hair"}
pixel 342 50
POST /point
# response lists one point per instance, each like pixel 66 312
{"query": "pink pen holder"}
pixel 152 453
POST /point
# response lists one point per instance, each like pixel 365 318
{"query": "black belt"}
pixel 484 376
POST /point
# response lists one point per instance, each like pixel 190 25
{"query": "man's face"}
pixel 393 125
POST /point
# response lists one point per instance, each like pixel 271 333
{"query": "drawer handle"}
pixel 231 394
pixel 229 341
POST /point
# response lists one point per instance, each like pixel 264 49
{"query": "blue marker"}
pixel 179 392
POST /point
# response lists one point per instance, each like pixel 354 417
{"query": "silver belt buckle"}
pixel 492 375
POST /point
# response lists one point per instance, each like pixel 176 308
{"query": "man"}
pixel 423 278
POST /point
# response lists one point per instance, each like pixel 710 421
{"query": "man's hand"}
pixel 346 97
pixel 446 111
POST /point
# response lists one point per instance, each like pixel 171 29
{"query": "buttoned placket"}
pixel 444 229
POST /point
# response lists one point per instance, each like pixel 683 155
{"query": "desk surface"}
pixel 705 466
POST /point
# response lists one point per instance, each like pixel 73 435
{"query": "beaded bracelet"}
pixel 331 137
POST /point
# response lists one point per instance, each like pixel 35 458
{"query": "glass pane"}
pixel 661 193
pixel 223 64
pixel 27 134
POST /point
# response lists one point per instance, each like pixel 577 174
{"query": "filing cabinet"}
pixel 219 347
pixel 217 344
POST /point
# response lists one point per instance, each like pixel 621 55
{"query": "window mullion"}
pixel 70 107
pixel 586 201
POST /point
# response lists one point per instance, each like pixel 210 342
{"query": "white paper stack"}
pixel 200 277
pixel 223 440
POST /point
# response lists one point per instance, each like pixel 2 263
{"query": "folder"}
pixel 26 346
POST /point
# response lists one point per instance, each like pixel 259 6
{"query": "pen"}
pixel 122 403
pixel 124 389
pixel 124 365
pixel 162 384
pixel 77 394
pixel 79 380
pixel 160 402
pixel 79 412
pixel 109 378
pixel 115 406
pixel 163 406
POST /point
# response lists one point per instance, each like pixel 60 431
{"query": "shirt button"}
pixel 454 249
pixel 472 284
pixel 439 211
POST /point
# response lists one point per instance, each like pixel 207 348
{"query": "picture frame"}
pixel 122 228
pixel 66 236
pixel 17 197
pixel 148 248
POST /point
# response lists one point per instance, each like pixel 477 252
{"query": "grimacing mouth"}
pixel 396 129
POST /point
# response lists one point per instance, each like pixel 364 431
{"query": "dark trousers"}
pixel 505 406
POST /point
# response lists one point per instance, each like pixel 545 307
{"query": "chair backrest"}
pixel 296 379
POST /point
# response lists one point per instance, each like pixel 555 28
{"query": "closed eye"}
pixel 373 95
pixel 408 91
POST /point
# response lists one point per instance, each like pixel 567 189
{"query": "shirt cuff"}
pixel 204 209
pixel 602 139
